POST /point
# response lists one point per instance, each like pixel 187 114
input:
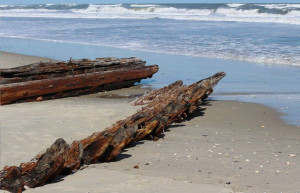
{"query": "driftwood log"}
pixel 62 79
pixel 162 107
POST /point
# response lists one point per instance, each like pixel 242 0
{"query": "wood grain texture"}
pixel 170 104
pixel 56 80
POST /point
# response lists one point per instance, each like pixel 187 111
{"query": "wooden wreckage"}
pixel 50 80
pixel 161 107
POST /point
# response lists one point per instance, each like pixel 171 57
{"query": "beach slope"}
pixel 226 146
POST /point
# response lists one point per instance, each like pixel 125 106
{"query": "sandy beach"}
pixel 226 146
pixel 11 60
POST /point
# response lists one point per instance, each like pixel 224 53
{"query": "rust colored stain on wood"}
pixel 164 106
pixel 37 82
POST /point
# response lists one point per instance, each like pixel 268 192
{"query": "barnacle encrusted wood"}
pixel 164 106
pixel 76 77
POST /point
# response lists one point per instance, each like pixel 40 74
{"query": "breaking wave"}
pixel 275 13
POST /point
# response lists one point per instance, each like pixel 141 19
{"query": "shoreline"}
pixel 10 60
pixel 226 146
pixel 157 52
pixel 288 108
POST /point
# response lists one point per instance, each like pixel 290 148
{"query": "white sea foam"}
pixel 280 6
pixel 294 14
pixel 163 12
pixel 234 5
pixel 238 13
pixel 264 59
pixel 273 6
pixel 144 5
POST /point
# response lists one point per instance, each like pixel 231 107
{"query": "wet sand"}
pixel 226 146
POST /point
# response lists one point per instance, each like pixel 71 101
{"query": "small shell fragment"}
pixel 287 163
pixel 40 98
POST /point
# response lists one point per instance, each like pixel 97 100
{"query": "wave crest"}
pixel 277 13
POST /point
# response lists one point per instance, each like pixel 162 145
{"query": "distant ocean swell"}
pixel 263 33
pixel 275 13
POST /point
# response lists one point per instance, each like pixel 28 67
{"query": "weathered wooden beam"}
pixel 10 179
pixel 173 103
pixel 33 89
pixel 71 66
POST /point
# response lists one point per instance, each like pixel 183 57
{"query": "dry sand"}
pixel 226 146
pixel 10 60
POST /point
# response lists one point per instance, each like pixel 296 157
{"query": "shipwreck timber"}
pixel 50 80
pixel 162 107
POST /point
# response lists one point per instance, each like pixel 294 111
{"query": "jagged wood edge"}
pixel 173 103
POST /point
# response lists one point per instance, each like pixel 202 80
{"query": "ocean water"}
pixel 257 45
pixel 264 33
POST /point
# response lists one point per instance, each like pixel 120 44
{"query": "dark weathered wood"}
pixel 91 81
pixel 46 70
pixel 51 80
pixel 74 157
pixel 78 92
pixel 10 179
pixel 172 103
pixel 48 166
